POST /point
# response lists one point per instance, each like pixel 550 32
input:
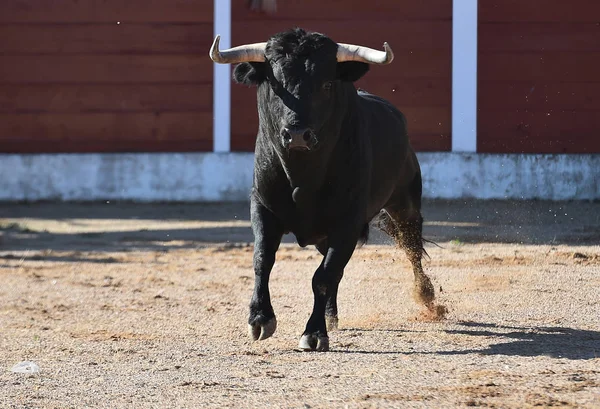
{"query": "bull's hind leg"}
pixel 268 232
pixel 406 228
pixel 402 221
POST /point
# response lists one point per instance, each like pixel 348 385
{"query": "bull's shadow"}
pixel 472 221
pixel 555 342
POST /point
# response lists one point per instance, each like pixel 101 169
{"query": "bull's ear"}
pixel 351 71
pixel 249 73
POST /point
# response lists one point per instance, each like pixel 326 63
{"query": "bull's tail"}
pixel 430 242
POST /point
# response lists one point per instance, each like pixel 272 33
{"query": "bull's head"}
pixel 301 77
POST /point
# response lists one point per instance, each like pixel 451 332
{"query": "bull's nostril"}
pixel 297 138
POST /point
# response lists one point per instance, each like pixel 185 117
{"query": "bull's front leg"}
pixel 268 232
pixel 331 309
pixel 324 285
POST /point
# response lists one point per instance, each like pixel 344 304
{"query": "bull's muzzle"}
pixel 298 138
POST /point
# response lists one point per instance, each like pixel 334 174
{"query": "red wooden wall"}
pixel 539 76
pixel 417 82
pixel 73 80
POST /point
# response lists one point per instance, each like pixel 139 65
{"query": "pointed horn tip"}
pixel 214 49
pixel 389 52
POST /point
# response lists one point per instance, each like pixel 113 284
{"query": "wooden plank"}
pixel 538 132
pixel 244 118
pixel 429 34
pixel 542 124
pixel 354 10
pixel 412 64
pixel 540 11
pixel 108 129
pixel 105 11
pixel 543 66
pixel 21 145
pixel 413 92
pixel 539 96
pixel 589 144
pixel 427 120
pixel 538 81
pixel 73 98
pixel 105 69
pixel 426 52
pixel 524 37
pixel 431 143
pixel 106 39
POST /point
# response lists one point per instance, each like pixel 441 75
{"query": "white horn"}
pixel 243 53
pixel 351 52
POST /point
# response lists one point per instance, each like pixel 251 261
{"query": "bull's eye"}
pixel 327 85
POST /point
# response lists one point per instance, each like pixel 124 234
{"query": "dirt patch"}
pixel 577 257
pixel 433 313
pixel 159 319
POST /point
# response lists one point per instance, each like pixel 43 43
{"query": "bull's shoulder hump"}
pixel 372 97
pixel 371 100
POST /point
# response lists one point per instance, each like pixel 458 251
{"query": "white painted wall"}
pixel 143 177
pixel 464 76
pixel 510 176
pixel 228 176
pixel 222 80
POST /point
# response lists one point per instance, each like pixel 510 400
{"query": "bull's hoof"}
pixel 423 291
pixel 259 331
pixel 312 342
pixel 332 323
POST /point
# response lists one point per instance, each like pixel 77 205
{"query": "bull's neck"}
pixel 305 170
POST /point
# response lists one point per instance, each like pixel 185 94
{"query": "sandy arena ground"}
pixel 144 306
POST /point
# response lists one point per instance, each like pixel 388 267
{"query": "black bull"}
pixel 328 159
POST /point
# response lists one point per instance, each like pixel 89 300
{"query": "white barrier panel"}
pixel 464 76
pixel 228 176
